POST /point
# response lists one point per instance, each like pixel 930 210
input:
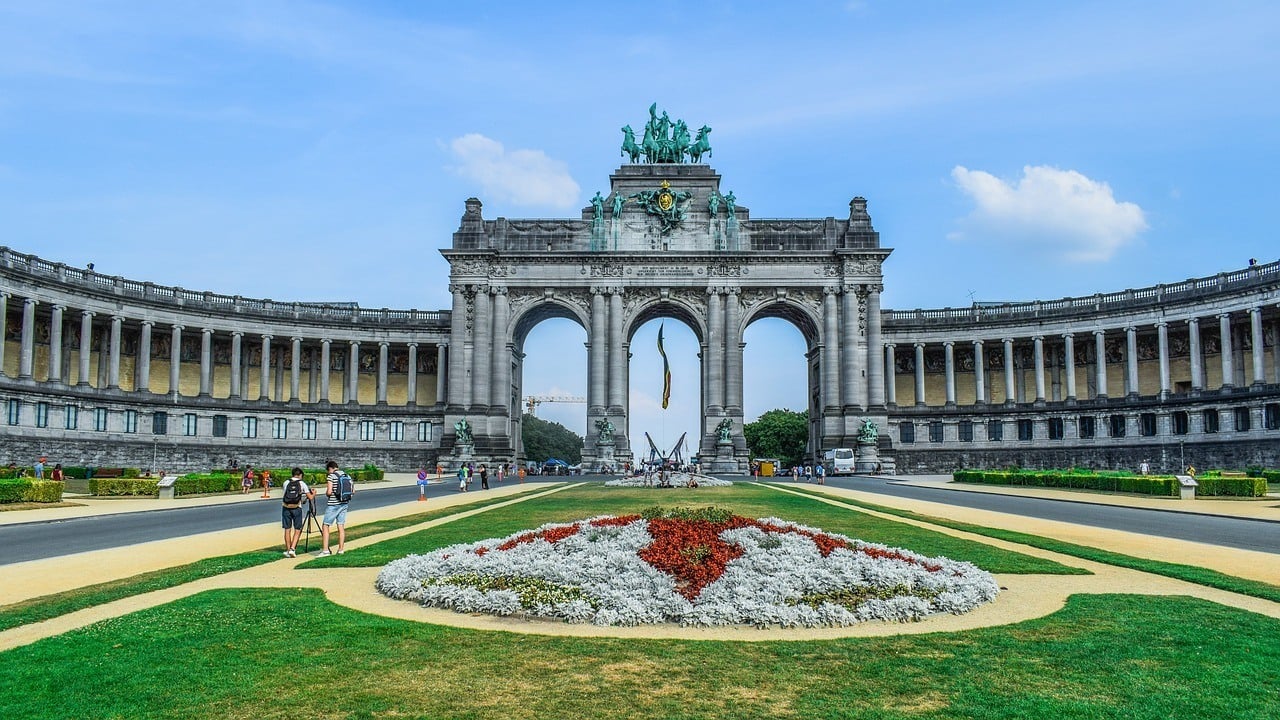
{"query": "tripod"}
pixel 311 522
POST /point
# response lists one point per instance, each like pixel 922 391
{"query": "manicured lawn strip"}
pixel 744 499
pixel 1189 573
pixel 50 606
pixel 1102 656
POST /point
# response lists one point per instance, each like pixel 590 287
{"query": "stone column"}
pixel 1131 361
pixel 1100 361
pixel 175 360
pixel 1162 340
pixel 353 373
pixel 919 374
pixel 1275 350
pixel 617 355
pixel 949 354
pixel 325 351
pixel 55 344
pixel 4 319
pixel 1255 322
pixel 442 357
pixel 714 359
pixel 875 372
pixel 457 335
pixel 1010 385
pixel 411 389
pixel 206 361
pixel 482 359
pixel 264 382
pixel 277 372
pixel 143 369
pixel 502 351
pixel 597 367
pixel 26 358
pixel 381 395
pixel 237 338
pixel 1069 355
pixel 733 352
pixel 850 398
pixel 891 375
pixel 979 373
pixel 830 352
pixel 1228 362
pixel 295 368
pixel 1197 355
pixel 1037 350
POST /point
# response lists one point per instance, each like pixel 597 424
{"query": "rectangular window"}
pixel 42 414
pixel 159 423
pixel 71 413
pixel 366 430
pixel 1055 428
pixel 13 411
pixel 279 428
pixel 308 429
pixel 995 430
pixel 100 419
pixel 966 431
pixel 1211 421
pixel 1088 426
pixel 1271 416
pixel 906 432
pixel 935 431
pixel 250 427
pixel 1181 422
pixel 1117 426
pixel 131 421
pixel 424 431
pixel 396 429
pixel 219 425
pixel 338 429
pixel 1242 419
pixel 1026 429
pixel 1147 422
pixel 190 424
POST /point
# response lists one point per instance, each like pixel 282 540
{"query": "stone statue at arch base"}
pixel 867 453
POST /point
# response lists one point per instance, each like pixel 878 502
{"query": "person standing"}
pixel 291 515
pixel 246 480
pixel 821 472
pixel 808 473
pixel 462 478
pixel 521 473
pixel 502 471
pixel 338 489
pixel 484 477
pixel 39 467
pixel 57 473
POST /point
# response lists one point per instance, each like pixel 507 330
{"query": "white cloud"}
pixel 1064 211
pixel 522 177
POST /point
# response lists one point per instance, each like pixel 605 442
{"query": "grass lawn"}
pixel 744 499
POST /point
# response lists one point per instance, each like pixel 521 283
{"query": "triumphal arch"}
pixel 666 240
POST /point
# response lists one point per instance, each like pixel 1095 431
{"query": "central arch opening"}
pixel 550 372
pixel 683 415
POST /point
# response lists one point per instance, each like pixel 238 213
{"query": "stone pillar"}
pixel 1275 350
pixel 919 374
pixel 237 339
pixel 979 373
pixel 1162 340
pixel 1100 361
pixel 1197 355
pixel 875 372
pixel 206 361
pixel 482 359
pixel 313 377
pixel 353 373
pixel 502 351
pixel 830 352
pixel 295 368
pixel 1131 361
pixel 277 372
pixel 733 353
pixel 411 389
pixel 1037 351
pixel 442 357
pixel 891 375
pixel 457 334
pixel 26 358
pixel 175 360
pixel 617 355
pixel 325 351
pixel 143 369
pixel 1010 386
pixel 597 395
pixel 264 382
pixel 949 353
pixel 850 398
pixel 4 319
pixel 1255 322
pixel 381 395
pixel 1069 355
pixel 714 360
pixel 55 344
pixel 1228 362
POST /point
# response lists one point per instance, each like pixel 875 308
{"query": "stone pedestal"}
pixel 724 461
pixel 868 457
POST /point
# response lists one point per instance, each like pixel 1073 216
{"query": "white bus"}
pixel 838 461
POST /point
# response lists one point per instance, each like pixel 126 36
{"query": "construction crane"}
pixel 532 402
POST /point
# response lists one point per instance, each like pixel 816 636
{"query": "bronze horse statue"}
pixel 700 145
pixel 629 146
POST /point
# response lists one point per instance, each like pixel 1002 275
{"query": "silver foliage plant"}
pixel 675 479
pixel 781 579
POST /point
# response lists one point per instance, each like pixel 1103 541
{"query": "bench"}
pixel 108 472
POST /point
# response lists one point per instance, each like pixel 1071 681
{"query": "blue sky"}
pixel 322 151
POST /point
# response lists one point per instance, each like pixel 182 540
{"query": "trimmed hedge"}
pixel 1232 486
pixel 1211 483
pixel 118 487
pixel 30 490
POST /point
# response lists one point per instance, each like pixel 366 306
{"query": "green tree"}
pixel 781 434
pixel 543 439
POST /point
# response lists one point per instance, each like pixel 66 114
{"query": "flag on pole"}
pixel 666 371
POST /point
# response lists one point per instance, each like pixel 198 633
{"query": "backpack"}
pixel 293 494
pixel 343 488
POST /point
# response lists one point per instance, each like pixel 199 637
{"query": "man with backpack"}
pixel 338 489
pixel 291 515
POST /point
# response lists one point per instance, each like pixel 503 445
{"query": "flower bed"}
pixel 673 480
pixel 705 567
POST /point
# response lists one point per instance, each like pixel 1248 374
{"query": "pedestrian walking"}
pixel 246 480
pixel 484 477
pixel 462 478
pixel 57 473
pixel 502 470
pixel 339 488
pixel 39 467
pixel 521 473
pixel 821 472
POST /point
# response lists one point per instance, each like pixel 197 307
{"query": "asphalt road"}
pixel 33 541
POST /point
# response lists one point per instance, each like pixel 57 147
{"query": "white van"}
pixel 838 461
